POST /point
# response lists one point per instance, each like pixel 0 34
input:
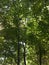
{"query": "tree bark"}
pixel 40 59
pixel 18 54
pixel 40 56
pixel 24 56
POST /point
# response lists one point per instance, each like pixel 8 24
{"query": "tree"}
pixel 24 21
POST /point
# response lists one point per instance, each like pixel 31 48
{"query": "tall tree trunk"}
pixel 18 34
pixel 40 59
pixel 24 56
pixel 40 56
pixel 16 17
pixel 18 54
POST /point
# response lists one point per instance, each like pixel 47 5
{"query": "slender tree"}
pixel 24 54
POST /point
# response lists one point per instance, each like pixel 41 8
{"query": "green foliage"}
pixel 24 21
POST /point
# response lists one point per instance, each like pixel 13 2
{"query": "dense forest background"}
pixel 24 32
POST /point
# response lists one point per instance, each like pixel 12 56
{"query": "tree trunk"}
pixel 40 59
pixel 24 56
pixel 18 54
pixel 40 56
